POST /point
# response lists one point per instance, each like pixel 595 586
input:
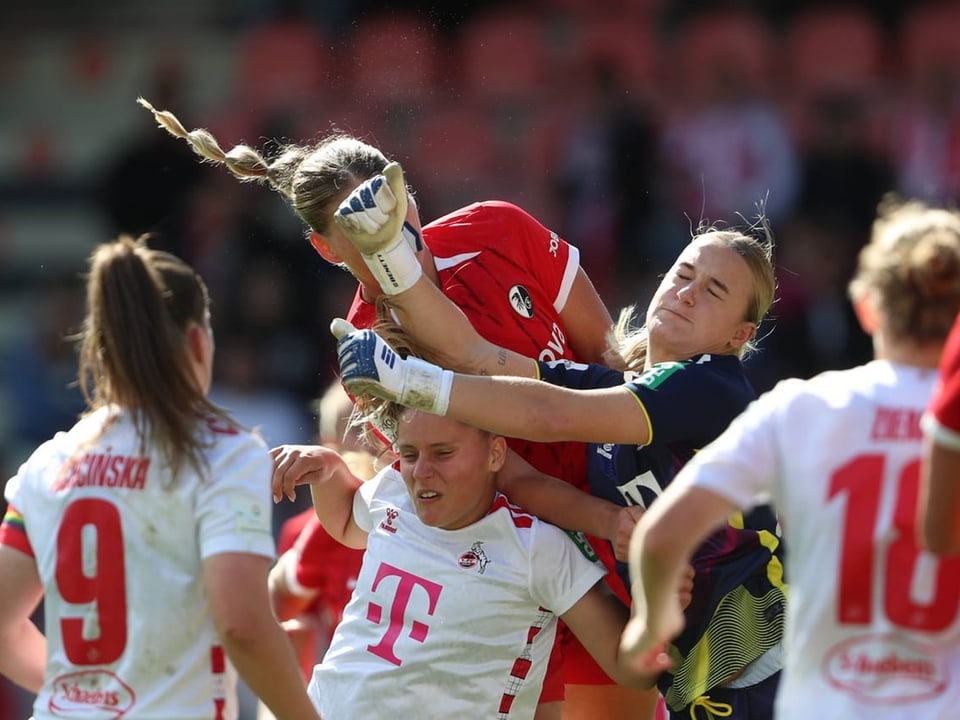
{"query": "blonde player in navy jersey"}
pixel 145 528
pixel 873 625
pixel 686 383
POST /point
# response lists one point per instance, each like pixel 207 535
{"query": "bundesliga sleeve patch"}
pixel 580 540
pixel 249 514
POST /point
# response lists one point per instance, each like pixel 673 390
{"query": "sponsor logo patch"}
pixel 521 301
pixel 884 669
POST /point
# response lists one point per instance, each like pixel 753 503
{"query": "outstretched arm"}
pixel 556 501
pixel 511 406
pixel 598 620
pixel 332 485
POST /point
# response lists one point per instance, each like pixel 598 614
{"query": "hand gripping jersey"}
pixel 872 629
pixel 449 623
pixel 119 547
pixel 942 420
pixel 736 614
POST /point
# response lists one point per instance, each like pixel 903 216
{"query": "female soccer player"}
pixel 146 527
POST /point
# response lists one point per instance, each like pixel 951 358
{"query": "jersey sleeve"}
pixel 942 419
pixel 563 568
pixel 686 402
pixel 234 505
pixel 552 260
pixel 13 532
pixel 364 497
pixel 742 463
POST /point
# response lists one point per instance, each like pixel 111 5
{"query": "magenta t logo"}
pixel 406 582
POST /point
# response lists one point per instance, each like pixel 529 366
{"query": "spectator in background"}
pixel 606 177
pixel 40 367
pixel 147 185
pixel 924 141
pixel 726 144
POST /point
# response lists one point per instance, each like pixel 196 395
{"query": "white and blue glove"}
pixel 373 217
pixel 368 366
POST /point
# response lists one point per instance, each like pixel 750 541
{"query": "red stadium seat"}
pixel 929 42
pixel 503 56
pixel 282 65
pixel 394 58
pixel 835 49
pixel 736 42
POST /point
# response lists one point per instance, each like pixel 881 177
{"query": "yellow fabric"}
pixel 714 709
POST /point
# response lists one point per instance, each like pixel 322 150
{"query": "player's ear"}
pixel 320 244
pixel 498 452
pixel 744 334
pixel 866 314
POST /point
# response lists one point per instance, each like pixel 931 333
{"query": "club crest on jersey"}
pixel 392 514
pixel 475 557
pixel 521 301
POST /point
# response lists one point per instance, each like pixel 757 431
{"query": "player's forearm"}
pixel 939 499
pixel 562 504
pixel 434 321
pixel 265 660
pixel 24 655
pixel 333 502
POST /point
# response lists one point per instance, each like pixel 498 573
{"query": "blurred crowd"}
pixel 620 124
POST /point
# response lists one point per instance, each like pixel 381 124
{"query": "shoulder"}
pixel 229 444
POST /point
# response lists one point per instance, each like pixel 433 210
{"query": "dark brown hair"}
pixel 140 303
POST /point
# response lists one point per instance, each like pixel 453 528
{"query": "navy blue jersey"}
pixel 736 613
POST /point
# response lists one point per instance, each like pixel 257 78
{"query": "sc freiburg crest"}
pixel 521 301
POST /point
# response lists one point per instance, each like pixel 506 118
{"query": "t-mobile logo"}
pixel 396 620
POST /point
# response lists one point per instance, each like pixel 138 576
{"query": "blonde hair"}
pixel 313 178
pixel 911 269
pixel 630 340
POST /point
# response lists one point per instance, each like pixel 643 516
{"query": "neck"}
pixel 907 352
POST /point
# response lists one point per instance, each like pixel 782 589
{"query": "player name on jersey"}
pixel 103 470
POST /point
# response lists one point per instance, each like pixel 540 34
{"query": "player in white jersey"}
pixel 873 624
pixel 146 527
pixel 455 609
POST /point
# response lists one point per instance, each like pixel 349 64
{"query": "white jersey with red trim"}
pixel 460 622
pixel 119 548
pixel 872 624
